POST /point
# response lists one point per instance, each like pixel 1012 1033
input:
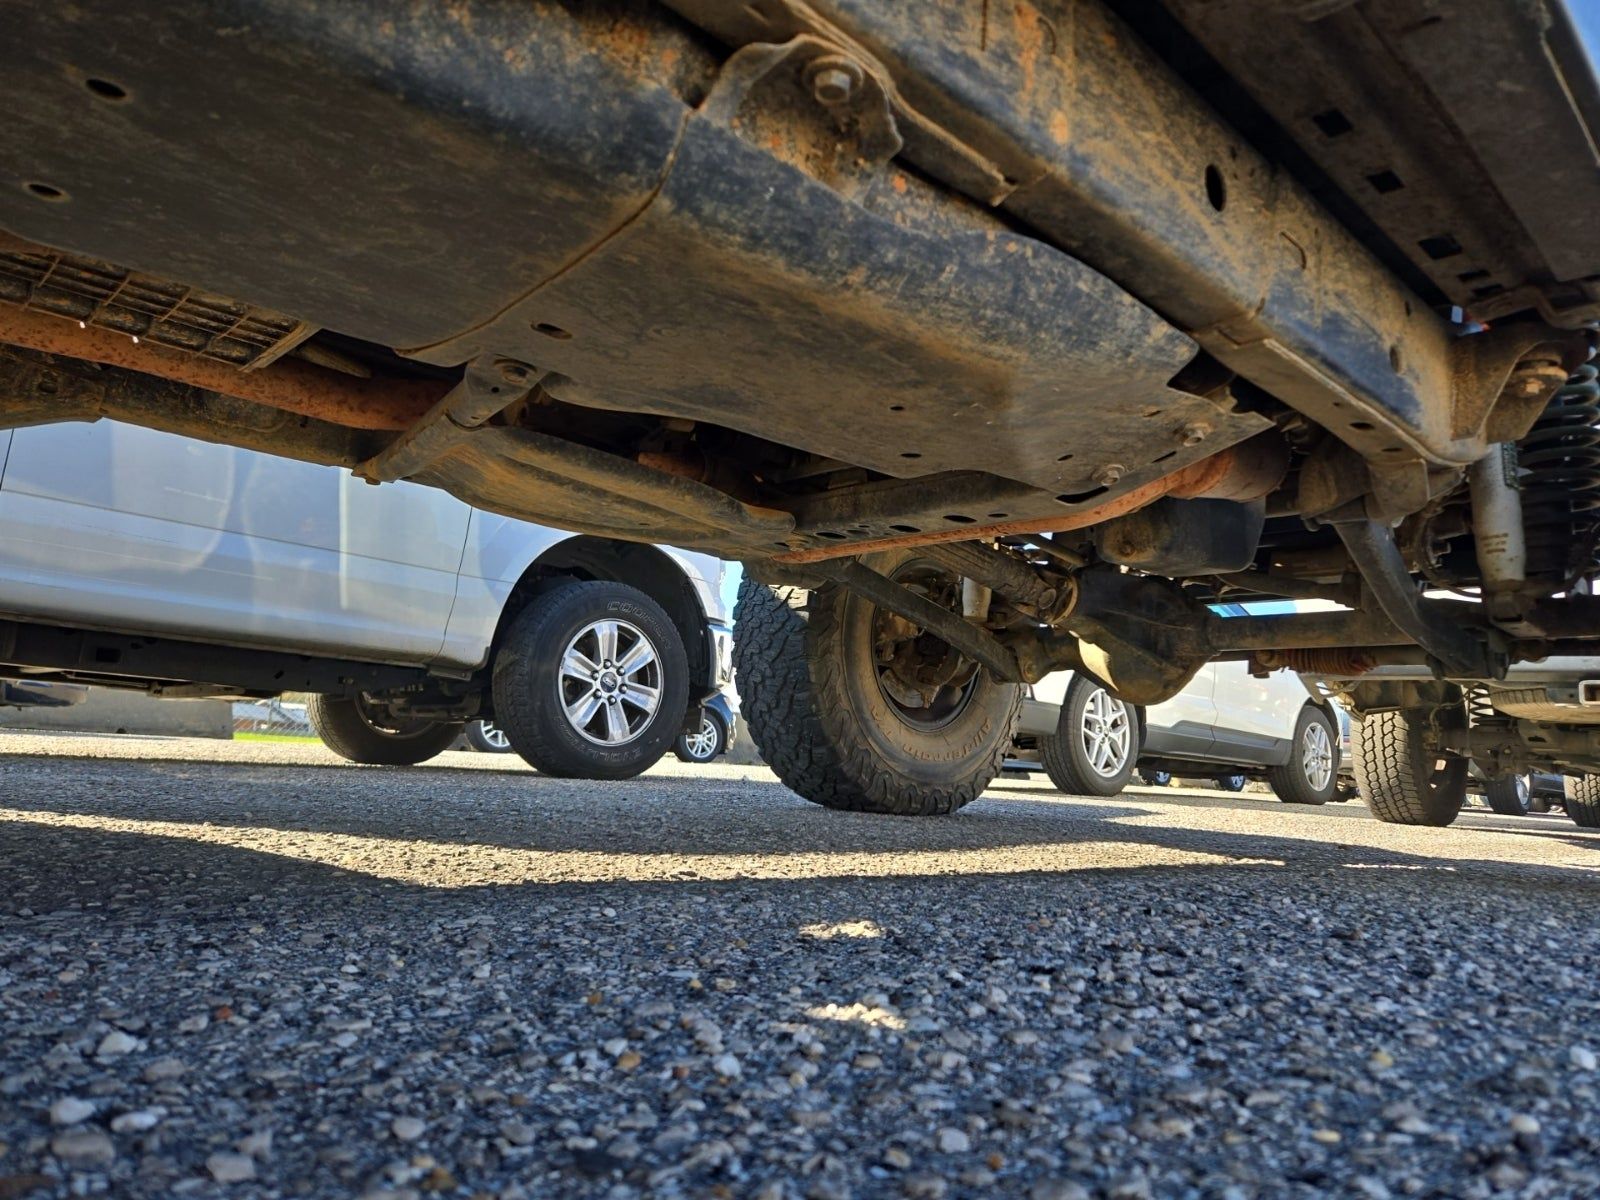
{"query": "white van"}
pixel 1226 725
pixel 135 558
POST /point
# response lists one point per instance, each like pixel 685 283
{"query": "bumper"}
pixel 720 705
pixel 719 662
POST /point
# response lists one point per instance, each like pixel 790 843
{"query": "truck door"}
pixel 132 529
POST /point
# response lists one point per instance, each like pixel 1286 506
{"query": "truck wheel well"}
pixel 650 570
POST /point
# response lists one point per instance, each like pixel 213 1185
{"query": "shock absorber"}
pixel 1498 531
pixel 1559 467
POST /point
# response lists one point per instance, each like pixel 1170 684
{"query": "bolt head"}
pixel 1109 474
pixel 515 372
pixel 1194 433
pixel 833 85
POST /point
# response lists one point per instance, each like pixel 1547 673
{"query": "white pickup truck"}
pixel 134 558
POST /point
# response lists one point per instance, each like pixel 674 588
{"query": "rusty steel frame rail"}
pixel 287 384
pixel 1245 471
pixel 1080 132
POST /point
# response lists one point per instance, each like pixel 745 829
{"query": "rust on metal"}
pixel 1238 473
pixel 290 385
pixel 1340 660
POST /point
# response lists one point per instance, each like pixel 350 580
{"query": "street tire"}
pixel 1096 744
pixel 1154 778
pixel 1583 800
pixel 345 727
pixel 1403 781
pixel 1311 776
pixel 553 689
pixel 811 699
pixel 487 738
pixel 706 744
pixel 1510 795
pixel 1229 783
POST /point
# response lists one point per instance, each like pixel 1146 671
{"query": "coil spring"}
pixel 1479 710
pixel 1560 480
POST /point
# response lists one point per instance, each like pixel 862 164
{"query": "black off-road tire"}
pixel 1290 783
pixel 1583 800
pixel 1398 774
pixel 343 727
pixel 810 698
pixel 1064 757
pixel 527 701
pixel 1504 797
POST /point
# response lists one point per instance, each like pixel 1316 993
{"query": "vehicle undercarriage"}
pixel 994 338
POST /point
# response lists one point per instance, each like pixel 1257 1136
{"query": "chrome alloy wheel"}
pixel 701 745
pixel 1106 733
pixel 610 682
pixel 1316 756
pixel 494 735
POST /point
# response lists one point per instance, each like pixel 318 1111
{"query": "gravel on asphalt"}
pixel 242 970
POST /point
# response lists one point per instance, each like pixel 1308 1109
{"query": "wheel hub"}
pixel 702 741
pixel 926 681
pixel 1106 732
pixel 1316 757
pixel 610 682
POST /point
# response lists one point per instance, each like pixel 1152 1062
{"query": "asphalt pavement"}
pixel 250 970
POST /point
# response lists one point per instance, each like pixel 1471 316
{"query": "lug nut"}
pixel 833 86
pixel 1109 474
pixel 1194 433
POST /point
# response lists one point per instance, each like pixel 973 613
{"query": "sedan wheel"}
pixel 1311 776
pixel 704 743
pixel 487 738
pixel 1510 795
pixel 1096 743
pixel 1107 733
pixel 1316 756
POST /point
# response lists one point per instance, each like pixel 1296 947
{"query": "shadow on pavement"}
pixel 246 829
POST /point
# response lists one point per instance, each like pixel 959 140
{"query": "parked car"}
pixel 1226 725
pixel 135 558
pixel 718 730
